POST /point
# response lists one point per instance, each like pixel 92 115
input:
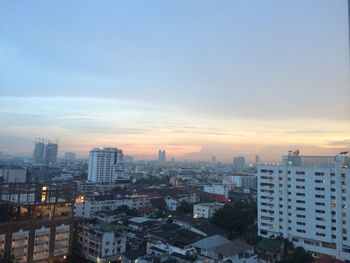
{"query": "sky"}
pixel 196 78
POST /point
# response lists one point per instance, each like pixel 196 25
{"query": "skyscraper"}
pixel 161 156
pixel 51 150
pixel 39 151
pixel 106 165
pixel 306 199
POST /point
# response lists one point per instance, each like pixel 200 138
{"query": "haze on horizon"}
pixel 197 78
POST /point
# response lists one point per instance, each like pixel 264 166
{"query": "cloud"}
pixel 341 143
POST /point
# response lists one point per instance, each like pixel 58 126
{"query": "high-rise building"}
pixel 161 156
pixel 39 151
pixel 69 156
pixel 238 162
pixel 307 200
pixel 257 160
pixel 51 150
pixel 213 159
pixel 106 165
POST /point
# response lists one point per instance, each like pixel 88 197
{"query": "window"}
pixel 319 196
pixel 320 181
pixel 319 174
pixel 320 211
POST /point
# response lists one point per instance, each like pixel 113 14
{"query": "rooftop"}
pixel 235 247
pixel 211 242
pixel 270 245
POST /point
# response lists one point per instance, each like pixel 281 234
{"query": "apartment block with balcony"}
pixel 307 200
pixel 36 221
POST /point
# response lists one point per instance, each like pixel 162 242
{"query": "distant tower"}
pixel 238 162
pixel 106 165
pixel 257 159
pixel 51 150
pixel 161 156
pixel 39 150
pixel 213 159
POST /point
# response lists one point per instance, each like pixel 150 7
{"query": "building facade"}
pixel 106 165
pixel 238 162
pixel 206 210
pixel 218 189
pixel 38 224
pixel 86 207
pixel 13 174
pixel 307 200
pixel 246 181
pixel 39 150
pixel 100 242
pixel 51 150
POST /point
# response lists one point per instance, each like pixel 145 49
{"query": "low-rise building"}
pixel 206 210
pixel 87 206
pixel 217 189
pixel 100 242
pixel 13 174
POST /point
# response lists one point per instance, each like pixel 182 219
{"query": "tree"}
pixel 299 255
pixel 236 218
pixel 184 208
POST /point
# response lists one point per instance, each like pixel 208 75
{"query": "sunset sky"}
pixel 196 78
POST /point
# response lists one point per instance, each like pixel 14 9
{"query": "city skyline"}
pixel 211 79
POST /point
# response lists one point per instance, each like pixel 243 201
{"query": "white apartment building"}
pixel 86 207
pixel 174 201
pixel 206 210
pixel 307 200
pixel 106 165
pixel 101 242
pixel 218 189
pixel 244 181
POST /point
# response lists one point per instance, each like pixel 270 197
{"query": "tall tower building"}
pixel 307 200
pixel 161 156
pixel 51 150
pixel 39 151
pixel 257 160
pixel 106 165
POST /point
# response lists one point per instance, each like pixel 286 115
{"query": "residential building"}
pixel 100 242
pixel 307 200
pixel 13 174
pixel 244 181
pixel 206 210
pixel 106 165
pixel 38 224
pixel 87 206
pixel 238 162
pixel 217 189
